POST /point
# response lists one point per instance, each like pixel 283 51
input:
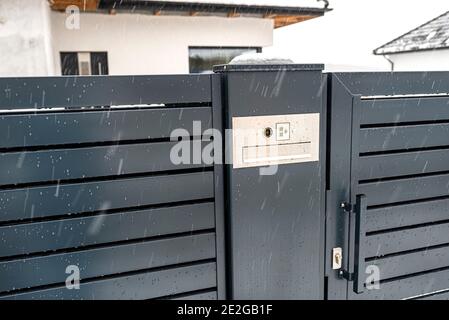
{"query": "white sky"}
pixel 348 35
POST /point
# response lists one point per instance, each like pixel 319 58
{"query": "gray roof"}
pixel 429 36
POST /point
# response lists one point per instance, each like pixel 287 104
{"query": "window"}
pixel 202 59
pixel 84 63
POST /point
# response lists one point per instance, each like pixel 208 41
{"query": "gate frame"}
pixel 345 91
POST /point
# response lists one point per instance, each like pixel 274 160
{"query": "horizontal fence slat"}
pixel 76 91
pixel 407 215
pixel 18 204
pixel 33 272
pixel 408 239
pixel 209 295
pixel 407 287
pixel 379 111
pixel 140 286
pixel 104 228
pixel 64 164
pixel 405 137
pixel 394 83
pixel 98 126
pixel 414 262
pixel 385 192
pixel 391 165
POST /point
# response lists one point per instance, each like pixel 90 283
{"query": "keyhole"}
pixel 268 132
pixel 337 258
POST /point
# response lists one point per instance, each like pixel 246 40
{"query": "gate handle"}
pixel 359 243
pixel 356 270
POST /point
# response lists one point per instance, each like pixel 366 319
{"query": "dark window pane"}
pixel 69 64
pixel 99 63
pixel 203 59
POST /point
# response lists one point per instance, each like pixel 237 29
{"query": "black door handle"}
pixel 357 239
pixel 359 243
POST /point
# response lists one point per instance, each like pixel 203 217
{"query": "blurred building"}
pixel 119 37
pixel 425 48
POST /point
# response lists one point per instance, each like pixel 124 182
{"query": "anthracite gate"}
pixel 388 198
pixel 88 182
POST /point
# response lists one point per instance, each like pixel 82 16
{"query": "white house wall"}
pixel 436 60
pixel 25 38
pixel 147 44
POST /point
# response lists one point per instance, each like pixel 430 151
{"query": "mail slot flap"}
pixel 276 153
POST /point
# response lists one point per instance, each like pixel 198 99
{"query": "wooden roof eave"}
pixel 281 17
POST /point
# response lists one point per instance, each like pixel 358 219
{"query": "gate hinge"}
pixel 347 207
pixel 343 274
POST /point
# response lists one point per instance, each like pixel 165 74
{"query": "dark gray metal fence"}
pixel 389 157
pixel 88 181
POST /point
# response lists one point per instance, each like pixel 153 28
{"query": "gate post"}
pixel 275 185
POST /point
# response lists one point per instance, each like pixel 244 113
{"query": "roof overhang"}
pixel 282 15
